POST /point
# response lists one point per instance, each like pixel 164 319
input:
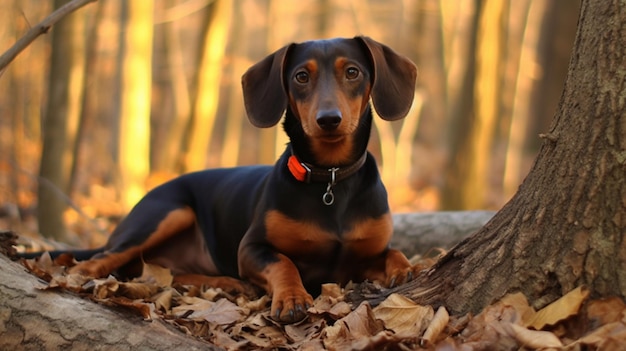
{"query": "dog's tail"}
pixel 79 255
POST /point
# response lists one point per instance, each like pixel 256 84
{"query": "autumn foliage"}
pixel 336 323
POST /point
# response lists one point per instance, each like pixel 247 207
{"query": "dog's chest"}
pixel 364 238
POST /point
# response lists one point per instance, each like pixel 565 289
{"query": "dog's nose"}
pixel 329 119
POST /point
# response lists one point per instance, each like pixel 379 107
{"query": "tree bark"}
pixel 565 227
pixel 33 319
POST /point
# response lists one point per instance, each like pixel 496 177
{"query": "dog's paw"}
pixel 398 269
pixel 290 305
pixel 401 275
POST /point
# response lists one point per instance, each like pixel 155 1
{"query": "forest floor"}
pixel 336 322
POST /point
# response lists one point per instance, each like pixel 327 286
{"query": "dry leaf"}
pixel 257 342
pixel 561 309
pixel 139 307
pixel 273 335
pixel 300 333
pixel 44 267
pixel 340 310
pixel 227 341
pixel 265 338
pixel 222 312
pixel 190 304
pixel 254 305
pixel 535 339
pixel 332 290
pixel 157 275
pixel 105 287
pixel 72 282
pixel 109 287
pixel 601 312
pixel 134 290
pixel 334 333
pixel 211 293
pixel 330 306
pixel 311 345
pixel 322 304
pixel 609 333
pixel 520 304
pixel 381 341
pixel 402 315
pixel 436 326
pixel 360 323
pixel 163 300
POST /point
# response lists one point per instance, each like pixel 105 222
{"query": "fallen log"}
pixel 418 233
pixel 57 320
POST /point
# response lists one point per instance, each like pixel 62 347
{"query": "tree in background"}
pixel 134 133
pixel 65 89
pixel 470 168
pixel 208 79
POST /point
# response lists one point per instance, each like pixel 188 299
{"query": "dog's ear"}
pixel 264 95
pixel 394 78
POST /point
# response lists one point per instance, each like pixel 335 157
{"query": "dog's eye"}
pixel 352 73
pixel 302 77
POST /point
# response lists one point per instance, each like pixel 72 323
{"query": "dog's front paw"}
pixel 399 276
pixel 398 269
pixel 289 305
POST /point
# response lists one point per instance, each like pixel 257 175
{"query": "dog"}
pixel 320 214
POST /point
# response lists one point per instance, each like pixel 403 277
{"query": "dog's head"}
pixel 327 85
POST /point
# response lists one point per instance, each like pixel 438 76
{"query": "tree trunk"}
pixel 565 227
pixel 59 126
pixel 134 150
pixel 525 81
pixel 95 18
pixel 170 160
pixel 460 71
pixel 208 82
pixel 430 55
pixel 473 192
pixel 232 140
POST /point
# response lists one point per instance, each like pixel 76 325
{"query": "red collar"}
pixel 308 173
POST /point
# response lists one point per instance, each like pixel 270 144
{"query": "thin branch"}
pixel 41 28
pixel 63 196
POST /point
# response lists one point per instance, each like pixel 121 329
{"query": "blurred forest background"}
pixel 123 95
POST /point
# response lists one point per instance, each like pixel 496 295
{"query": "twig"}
pixel 41 28
pixel 58 192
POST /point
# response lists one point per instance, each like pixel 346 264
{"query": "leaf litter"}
pixel 573 322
